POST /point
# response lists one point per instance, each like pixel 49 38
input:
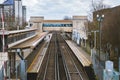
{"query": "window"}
pixel 57 25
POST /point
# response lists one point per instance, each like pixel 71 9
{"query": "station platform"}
pixel 28 45
pixel 31 43
pixel 16 37
pixel 35 65
pixel 82 56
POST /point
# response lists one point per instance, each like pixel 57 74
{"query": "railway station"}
pixel 51 49
pixel 45 51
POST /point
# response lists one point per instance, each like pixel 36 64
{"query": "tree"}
pixel 96 5
pixel 110 26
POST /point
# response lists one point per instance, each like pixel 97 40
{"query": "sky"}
pixel 58 9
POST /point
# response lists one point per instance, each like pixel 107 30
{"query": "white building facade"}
pixel 18 13
pixel 80 27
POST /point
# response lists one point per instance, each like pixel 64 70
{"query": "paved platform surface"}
pixel 31 42
pixel 82 56
pixel 28 45
pixel 36 64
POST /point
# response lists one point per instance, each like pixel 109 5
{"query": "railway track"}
pixel 47 70
pixel 62 74
pixel 59 63
pixel 72 69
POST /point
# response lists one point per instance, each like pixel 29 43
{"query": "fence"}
pixel 19 72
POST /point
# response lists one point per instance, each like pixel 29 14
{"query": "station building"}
pixel 77 26
pixel 10 40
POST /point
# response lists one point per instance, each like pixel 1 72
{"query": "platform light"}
pixel 100 19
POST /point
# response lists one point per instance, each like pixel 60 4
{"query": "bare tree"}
pixel 95 6
pixel 110 27
pixel 98 5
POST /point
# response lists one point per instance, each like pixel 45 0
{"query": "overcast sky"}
pixel 57 9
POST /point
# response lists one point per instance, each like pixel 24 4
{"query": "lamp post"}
pixel 18 25
pixel 3 27
pixel 95 42
pixel 100 19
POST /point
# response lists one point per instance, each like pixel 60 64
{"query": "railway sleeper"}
pixel 73 72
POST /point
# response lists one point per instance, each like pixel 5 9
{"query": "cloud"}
pixel 112 3
pixel 1 1
pixel 57 9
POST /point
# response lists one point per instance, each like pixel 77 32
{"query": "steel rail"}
pixel 70 57
pixel 61 56
pixel 66 68
pixel 46 66
pixel 57 75
pixel 52 46
pixel 64 62
pixel 81 69
pixel 74 64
